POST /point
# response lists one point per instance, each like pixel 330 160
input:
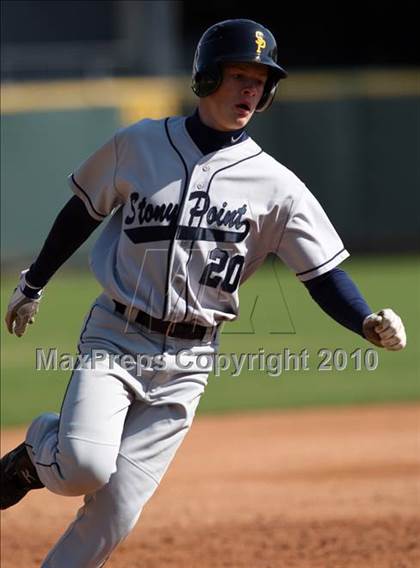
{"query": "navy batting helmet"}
pixel 235 41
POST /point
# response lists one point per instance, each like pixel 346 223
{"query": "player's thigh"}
pixel 94 407
pixel 152 434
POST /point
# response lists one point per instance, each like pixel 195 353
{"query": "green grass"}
pixel 272 301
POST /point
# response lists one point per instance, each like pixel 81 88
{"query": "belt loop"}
pixel 169 328
pixel 130 314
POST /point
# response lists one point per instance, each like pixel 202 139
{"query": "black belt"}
pixel 179 329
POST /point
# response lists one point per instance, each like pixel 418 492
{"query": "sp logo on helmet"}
pixel 260 41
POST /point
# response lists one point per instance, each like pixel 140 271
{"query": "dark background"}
pixel 120 37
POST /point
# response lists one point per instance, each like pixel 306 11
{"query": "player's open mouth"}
pixel 243 108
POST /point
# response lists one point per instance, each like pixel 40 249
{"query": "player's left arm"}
pixel 339 297
pixel 310 246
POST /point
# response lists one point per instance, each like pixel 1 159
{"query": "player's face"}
pixel 233 104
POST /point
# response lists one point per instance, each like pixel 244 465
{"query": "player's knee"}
pixel 88 478
pixel 86 467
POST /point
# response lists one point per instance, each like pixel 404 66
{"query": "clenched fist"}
pixel 23 306
pixel 385 329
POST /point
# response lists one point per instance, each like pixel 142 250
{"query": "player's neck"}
pixel 210 140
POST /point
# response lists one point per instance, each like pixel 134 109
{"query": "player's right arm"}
pixel 95 197
pixel 70 230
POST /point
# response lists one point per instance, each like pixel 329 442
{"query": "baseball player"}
pixel 194 207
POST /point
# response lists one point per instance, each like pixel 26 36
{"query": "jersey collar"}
pixel 209 140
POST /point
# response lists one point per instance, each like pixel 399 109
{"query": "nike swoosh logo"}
pixel 233 139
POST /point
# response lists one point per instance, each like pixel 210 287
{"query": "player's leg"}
pixel 73 453
pixel 76 452
pixel 151 436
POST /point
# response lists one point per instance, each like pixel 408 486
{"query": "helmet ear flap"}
pixel 207 80
pixel 196 82
pixel 268 95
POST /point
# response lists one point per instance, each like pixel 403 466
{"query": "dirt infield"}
pixel 328 488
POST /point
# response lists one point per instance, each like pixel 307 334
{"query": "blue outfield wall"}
pixel 38 152
pixel 361 158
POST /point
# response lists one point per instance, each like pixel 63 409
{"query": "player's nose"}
pixel 250 88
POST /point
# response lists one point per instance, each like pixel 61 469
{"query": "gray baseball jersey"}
pixel 187 229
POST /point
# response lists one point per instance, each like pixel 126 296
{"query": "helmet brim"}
pixel 275 70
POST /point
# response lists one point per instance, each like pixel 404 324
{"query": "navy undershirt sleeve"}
pixel 71 229
pixel 337 294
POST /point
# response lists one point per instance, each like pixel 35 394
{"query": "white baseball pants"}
pixel 117 431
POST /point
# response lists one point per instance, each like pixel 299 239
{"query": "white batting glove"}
pixel 385 329
pixel 23 306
